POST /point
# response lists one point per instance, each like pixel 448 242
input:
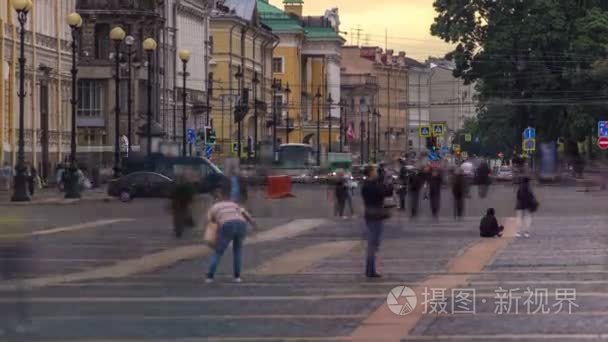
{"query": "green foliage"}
pixel 534 62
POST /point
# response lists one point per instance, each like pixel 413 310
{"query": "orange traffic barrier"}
pixel 279 187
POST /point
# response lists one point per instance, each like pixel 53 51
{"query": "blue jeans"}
pixel 231 231
pixel 374 235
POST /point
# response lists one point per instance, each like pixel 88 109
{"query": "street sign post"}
pixel 424 131
pixel 191 135
pixel 438 129
pixel 529 145
pixel 602 128
pixel 602 143
pixel 529 133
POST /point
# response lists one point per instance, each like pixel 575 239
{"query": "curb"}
pixel 56 202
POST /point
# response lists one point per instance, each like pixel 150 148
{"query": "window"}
pixel 102 41
pixel 277 65
pixel 90 96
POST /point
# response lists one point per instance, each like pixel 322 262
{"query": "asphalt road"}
pixel 308 285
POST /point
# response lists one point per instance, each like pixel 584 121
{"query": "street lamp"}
pixel 117 35
pixel 330 102
pixel 255 83
pixel 369 134
pixel 20 193
pixel 318 96
pixel 239 110
pixel 149 45
pixel 276 86
pixel 287 92
pixel 72 189
pixel 129 41
pixel 376 133
pixel 184 55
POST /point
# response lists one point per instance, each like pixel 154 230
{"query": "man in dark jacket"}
pixel 373 192
pixel 415 183
pixel 483 179
pixel 458 191
pixel 435 182
pixel 526 204
pixel 489 225
pixel 403 184
pixel 341 194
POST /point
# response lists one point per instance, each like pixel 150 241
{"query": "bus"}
pixel 296 156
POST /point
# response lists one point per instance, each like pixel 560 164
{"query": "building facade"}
pixel 452 102
pixel 419 103
pixel 307 62
pixel 47 82
pixel 392 133
pixel 241 63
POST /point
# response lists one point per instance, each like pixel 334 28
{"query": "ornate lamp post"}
pixel 72 188
pixel 287 93
pixel 255 83
pixel 129 41
pixel 21 193
pixel 341 104
pixel 276 86
pixel 149 46
pixel 117 35
pixel 330 103
pixel 318 96
pixel 184 55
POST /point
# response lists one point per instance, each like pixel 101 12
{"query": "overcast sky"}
pixel 407 21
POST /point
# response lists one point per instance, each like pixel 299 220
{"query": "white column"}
pixel 333 82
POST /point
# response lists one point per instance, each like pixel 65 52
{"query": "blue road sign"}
pixel 433 156
pixel 602 128
pixel 191 135
pixel 208 151
pixel 530 133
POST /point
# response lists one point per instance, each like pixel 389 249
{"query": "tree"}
pixel 534 62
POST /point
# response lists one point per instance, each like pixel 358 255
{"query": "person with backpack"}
pixel 341 194
pixel 526 205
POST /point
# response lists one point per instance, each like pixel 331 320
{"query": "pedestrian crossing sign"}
pixel 438 129
pixel 424 131
pixel 529 145
pixel 456 148
pixel 468 138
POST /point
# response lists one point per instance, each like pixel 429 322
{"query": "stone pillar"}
pixel 333 83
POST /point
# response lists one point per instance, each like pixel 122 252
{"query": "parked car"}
pixel 141 184
pixel 504 174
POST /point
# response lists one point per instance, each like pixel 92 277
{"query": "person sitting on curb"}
pixel 489 227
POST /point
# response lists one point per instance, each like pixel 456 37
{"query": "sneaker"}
pixel 344 218
pixel 374 275
pixel 526 234
pixel 238 280
pixel 518 234
pixel 209 281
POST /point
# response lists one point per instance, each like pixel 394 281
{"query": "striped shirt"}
pixel 225 211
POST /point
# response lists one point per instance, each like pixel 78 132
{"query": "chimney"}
pixel 379 55
pixel 294 7
pixel 402 62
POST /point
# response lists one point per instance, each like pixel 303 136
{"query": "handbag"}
pixel 211 234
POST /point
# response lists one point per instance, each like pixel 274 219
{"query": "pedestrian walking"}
pixel 231 220
pixel 403 184
pixel 351 185
pixel 373 193
pixel 415 183
pixel 483 179
pixel 59 179
pixel 488 227
pixel 526 206
pixel 182 201
pixel 458 192
pixel 435 183
pixel 341 194
pixel 31 175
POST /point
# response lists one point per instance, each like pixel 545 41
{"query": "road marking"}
pixel 76 227
pixel 515 337
pixel 300 259
pixel 199 317
pixel 383 324
pixel 194 299
pixel 159 260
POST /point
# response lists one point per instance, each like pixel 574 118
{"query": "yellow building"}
pixel 241 62
pixel 47 84
pixel 307 59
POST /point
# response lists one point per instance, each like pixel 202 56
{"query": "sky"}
pixel 407 22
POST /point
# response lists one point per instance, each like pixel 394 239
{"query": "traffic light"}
pixel 210 137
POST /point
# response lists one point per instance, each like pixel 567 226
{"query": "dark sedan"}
pixel 141 184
